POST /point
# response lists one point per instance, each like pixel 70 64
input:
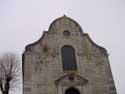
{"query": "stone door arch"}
pixel 72 90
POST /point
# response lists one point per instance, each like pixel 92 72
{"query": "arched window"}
pixel 68 58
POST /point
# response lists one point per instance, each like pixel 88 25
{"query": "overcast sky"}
pixel 23 21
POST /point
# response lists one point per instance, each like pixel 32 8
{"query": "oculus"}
pixel 66 33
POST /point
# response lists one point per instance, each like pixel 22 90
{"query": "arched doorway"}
pixel 72 91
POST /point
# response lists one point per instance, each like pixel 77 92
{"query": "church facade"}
pixel 66 61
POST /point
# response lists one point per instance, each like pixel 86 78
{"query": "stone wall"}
pixel 43 62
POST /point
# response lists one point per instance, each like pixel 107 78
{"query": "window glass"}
pixel 68 58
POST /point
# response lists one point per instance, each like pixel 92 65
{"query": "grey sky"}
pixel 22 22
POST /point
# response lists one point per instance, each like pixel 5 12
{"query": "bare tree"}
pixel 9 72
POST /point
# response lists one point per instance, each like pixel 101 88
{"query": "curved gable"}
pixel 66 23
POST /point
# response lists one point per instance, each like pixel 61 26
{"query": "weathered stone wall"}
pixel 43 62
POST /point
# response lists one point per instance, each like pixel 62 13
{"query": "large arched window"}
pixel 68 58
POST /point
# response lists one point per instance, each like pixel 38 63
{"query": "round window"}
pixel 66 33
